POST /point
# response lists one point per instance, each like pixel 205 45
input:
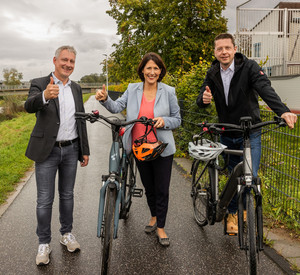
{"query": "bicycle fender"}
pixel 101 207
pixel 117 213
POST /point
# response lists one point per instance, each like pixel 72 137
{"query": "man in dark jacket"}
pixel 235 82
pixel 57 142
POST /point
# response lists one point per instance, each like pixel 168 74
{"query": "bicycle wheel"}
pixel 128 181
pixel 201 192
pixel 250 236
pixel 108 228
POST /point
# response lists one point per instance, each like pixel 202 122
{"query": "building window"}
pixel 257 49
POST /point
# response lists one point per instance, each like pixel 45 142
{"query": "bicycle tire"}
pixel 251 240
pixel 201 193
pixel 129 181
pixel 108 228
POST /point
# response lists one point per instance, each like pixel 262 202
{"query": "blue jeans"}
pixel 64 160
pixel 237 143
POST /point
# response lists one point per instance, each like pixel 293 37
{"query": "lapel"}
pixel 139 94
pixel 75 96
pixel 158 93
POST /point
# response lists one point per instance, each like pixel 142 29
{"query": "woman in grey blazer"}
pixel 158 101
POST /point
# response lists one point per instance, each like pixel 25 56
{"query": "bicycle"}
pixel 209 206
pixel 118 187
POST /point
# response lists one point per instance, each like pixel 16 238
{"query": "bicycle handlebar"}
pixel 244 126
pixel 95 116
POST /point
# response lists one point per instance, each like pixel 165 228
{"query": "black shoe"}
pixel 163 241
pixel 150 228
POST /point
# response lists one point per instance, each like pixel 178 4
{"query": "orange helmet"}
pixel 148 151
pixel 145 150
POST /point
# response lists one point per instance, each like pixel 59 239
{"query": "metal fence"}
pixel 280 161
pixel 271 36
pixel 280 166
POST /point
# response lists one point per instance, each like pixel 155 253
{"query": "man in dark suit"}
pixel 57 142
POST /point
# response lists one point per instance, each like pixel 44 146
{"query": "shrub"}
pixel 187 86
pixel 12 105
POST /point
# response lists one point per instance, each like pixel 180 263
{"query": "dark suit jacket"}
pixel 46 128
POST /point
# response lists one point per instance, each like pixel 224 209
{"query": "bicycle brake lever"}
pixel 281 122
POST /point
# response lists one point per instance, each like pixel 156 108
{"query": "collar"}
pixel 57 81
pixel 231 67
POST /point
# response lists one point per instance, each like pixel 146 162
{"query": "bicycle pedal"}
pixel 137 192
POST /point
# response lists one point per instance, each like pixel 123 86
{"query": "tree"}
pixel 12 76
pixel 181 31
pixel 93 78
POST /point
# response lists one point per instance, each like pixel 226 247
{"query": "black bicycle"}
pixel 118 187
pixel 210 207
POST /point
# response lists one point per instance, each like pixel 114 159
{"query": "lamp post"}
pixel 106 72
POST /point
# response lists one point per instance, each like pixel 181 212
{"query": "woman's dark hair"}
pixel 157 60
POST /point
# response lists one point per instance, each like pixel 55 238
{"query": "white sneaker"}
pixel 70 242
pixel 42 258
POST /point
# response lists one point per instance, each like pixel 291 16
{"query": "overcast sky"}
pixel 31 31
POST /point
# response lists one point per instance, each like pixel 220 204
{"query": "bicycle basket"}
pixel 205 149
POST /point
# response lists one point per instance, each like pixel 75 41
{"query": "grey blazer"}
pixel 165 106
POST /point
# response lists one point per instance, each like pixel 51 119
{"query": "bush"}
pixel 12 105
pixel 187 86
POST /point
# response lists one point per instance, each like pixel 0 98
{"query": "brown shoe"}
pixel 232 224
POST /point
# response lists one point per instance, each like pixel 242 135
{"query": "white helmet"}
pixel 207 150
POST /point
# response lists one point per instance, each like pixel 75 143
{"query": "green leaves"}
pixel 180 31
pixel 12 76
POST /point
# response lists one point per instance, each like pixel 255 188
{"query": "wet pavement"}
pixel 193 250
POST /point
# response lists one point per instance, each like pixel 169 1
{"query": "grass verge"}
pixel 14 135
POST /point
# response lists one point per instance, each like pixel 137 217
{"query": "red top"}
pixel 146 109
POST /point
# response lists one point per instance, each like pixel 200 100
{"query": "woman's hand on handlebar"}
pixel 290 119
pixel 101 95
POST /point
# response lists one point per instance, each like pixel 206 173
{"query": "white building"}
pixel 272 38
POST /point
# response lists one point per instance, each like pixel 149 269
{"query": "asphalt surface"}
pixel 193 250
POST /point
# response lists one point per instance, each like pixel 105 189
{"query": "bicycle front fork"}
pixel 108 183
pixel 258 212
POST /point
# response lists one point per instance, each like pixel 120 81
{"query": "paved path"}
pixel 193 250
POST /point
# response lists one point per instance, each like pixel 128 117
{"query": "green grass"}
pixel 14 137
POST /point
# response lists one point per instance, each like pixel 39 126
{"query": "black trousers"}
pixel 155 176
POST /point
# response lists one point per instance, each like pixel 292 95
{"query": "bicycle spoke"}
pixel 200 192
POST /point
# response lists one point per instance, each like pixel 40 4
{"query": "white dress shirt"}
pixel 226 76
pixel 67 127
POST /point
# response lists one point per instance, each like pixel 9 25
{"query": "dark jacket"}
pixel 247 83
pixel 45 131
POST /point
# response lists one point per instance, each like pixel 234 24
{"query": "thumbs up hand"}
pixel 207 96
pixel 101 95
pixel 52 90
